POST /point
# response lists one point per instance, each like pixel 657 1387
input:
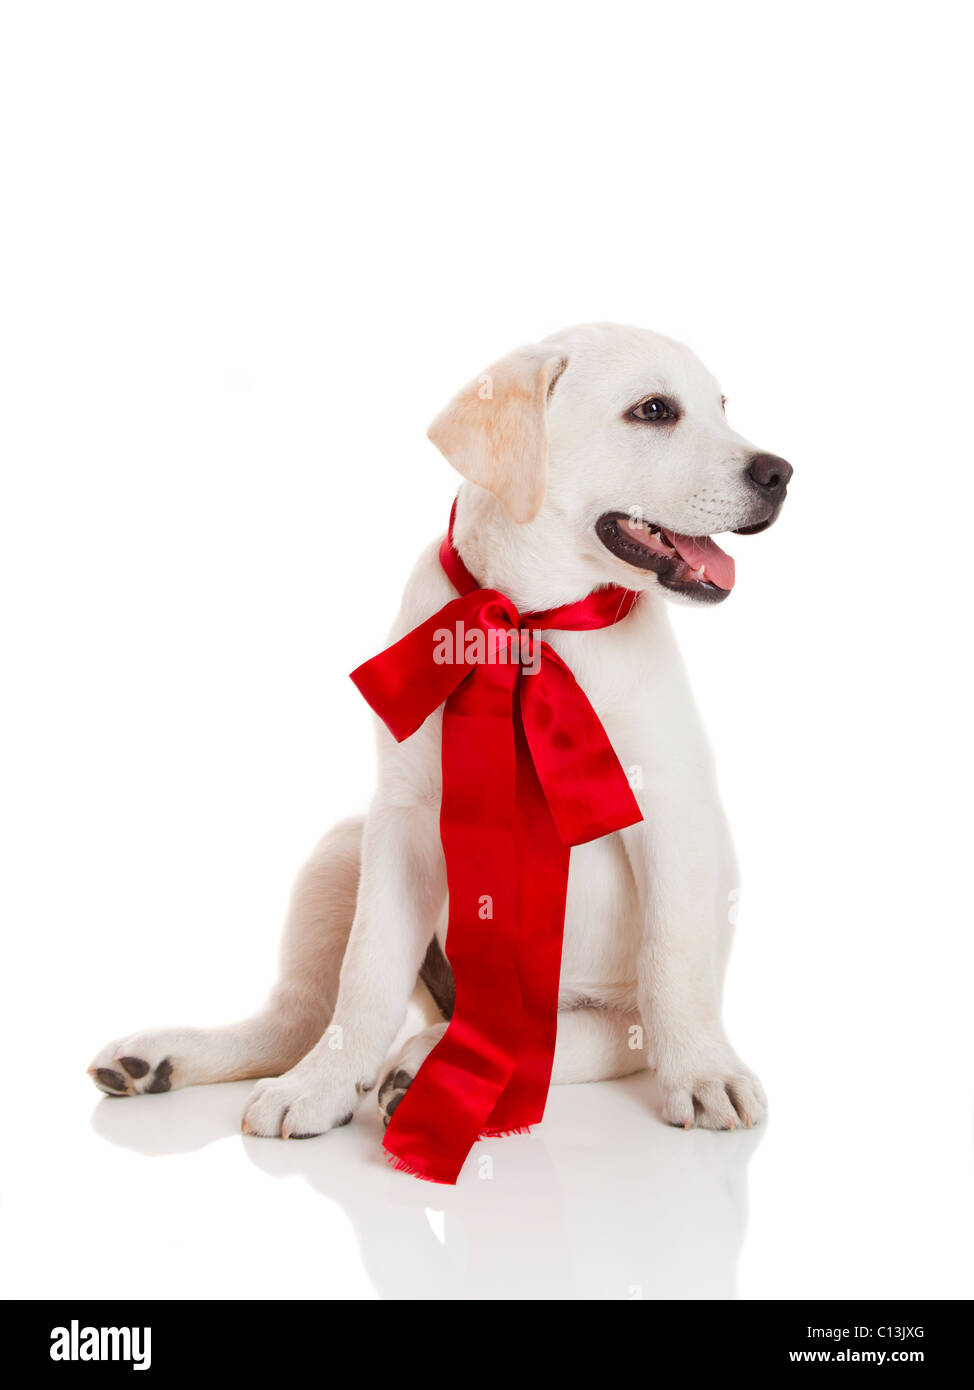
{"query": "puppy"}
pixel 601 455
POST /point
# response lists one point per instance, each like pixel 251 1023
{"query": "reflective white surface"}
pixel 573 1210
pixel 160 1196
pixel 168 1199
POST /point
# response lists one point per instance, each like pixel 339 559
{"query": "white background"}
pixel 249 250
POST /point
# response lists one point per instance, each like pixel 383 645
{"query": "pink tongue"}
pixel 718 566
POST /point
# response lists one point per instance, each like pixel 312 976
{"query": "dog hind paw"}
pixel 395 1085
pixel 402 1072
pixel 140 1065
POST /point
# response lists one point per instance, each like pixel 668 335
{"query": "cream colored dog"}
pixel 599 456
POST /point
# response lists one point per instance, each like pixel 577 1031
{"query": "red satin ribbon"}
pixel 528 771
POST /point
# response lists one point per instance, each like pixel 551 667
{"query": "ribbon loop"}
pixel 409 680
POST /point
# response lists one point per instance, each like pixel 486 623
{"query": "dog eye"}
pixel 654 411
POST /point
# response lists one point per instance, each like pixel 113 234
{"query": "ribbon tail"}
pixel 451 1099
pixel 542 886
pixel 585 785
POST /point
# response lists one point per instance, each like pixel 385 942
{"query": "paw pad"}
pixel 132 1076
pixel 111 1080
pixel 391 1092
pixel 161 1080
pixel 135 1067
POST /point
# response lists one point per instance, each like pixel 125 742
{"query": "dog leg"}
pixel 683 866
pixel 301 1004
pixel 592 1045
pixel 402 890
pixel 597 1045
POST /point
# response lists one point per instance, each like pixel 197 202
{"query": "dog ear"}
pixel 495 431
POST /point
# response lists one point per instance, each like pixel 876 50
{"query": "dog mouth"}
pixel 694 566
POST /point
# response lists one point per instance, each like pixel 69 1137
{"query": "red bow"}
pixel 528 771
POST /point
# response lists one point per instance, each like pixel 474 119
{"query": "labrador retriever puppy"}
pixel 601 455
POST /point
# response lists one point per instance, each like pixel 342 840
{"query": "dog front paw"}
pixel 711 1091
pixel 299 1105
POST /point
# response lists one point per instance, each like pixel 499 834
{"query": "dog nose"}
pixel 771 474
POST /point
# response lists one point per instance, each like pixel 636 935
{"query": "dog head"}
pixel 603 455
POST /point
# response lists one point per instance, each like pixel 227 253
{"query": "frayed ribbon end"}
pixel 418 1168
